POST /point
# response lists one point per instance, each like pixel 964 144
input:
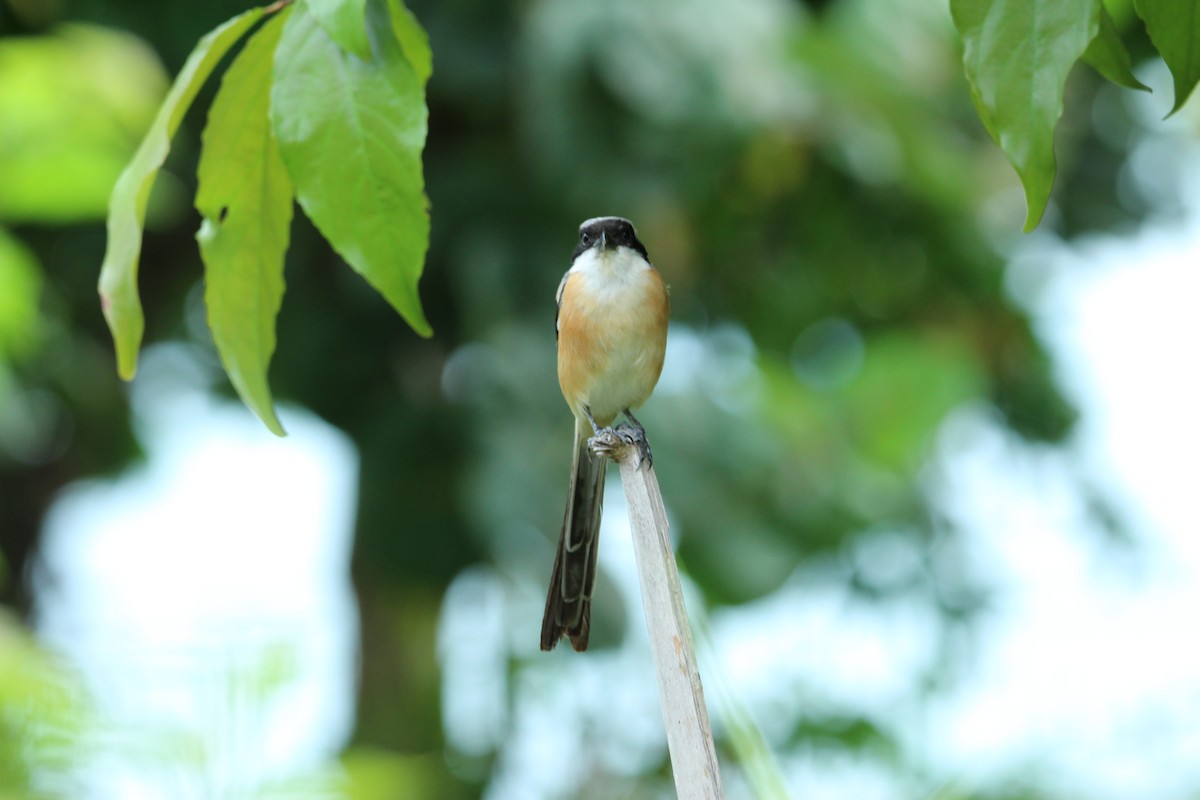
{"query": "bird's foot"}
pixel 612 442
pixel 639 439
pixel 607 442
pixel 635 436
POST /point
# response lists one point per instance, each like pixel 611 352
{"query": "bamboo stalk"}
pixel 689 735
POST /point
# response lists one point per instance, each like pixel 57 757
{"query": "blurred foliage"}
pixel 72 106
pixel 20 288
pixel 381 775
pixel 810 178
pixel 42 718
pixel 73 103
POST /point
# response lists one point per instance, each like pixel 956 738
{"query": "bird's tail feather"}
pixel 569 600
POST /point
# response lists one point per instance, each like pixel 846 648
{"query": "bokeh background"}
pixel 929 478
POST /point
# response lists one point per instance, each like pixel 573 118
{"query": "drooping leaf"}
pixel 127 207
pixel 1017 54
pixel 344 22
pixel 245 197
pixel 1174 28
pixel 1108 56
pixel 351 133
pixel 412 38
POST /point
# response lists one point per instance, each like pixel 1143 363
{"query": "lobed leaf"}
pixel 1108 56
pixel 1174 28
pixel 351 133
pixel 1017 54
pixel 245 197
pixel 127 206
pixel 344 21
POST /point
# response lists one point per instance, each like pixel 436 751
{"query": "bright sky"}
pixel 1090 653
pixel 154 585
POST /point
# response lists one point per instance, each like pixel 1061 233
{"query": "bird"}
pixel 611 328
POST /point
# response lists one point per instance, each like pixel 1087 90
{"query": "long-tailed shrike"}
pixel 612 334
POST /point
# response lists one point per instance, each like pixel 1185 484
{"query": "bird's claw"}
pixel 611 442
pixel 606 442
pixel 635 436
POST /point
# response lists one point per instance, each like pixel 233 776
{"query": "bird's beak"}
pixel 605 244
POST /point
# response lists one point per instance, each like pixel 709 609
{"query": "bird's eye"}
pixel 585 238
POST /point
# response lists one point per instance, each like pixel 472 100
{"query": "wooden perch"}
pixel 689 735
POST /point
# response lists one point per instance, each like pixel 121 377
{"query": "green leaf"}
pixel 1174 28
pixel 412 39
pixel 245 197
pixel 1017 54
pixel 127 207
pixel 351 133
pixel 1108 56
pixel 344 22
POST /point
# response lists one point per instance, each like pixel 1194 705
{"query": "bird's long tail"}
pixel 569 601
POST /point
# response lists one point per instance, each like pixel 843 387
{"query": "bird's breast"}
pixel 612 332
